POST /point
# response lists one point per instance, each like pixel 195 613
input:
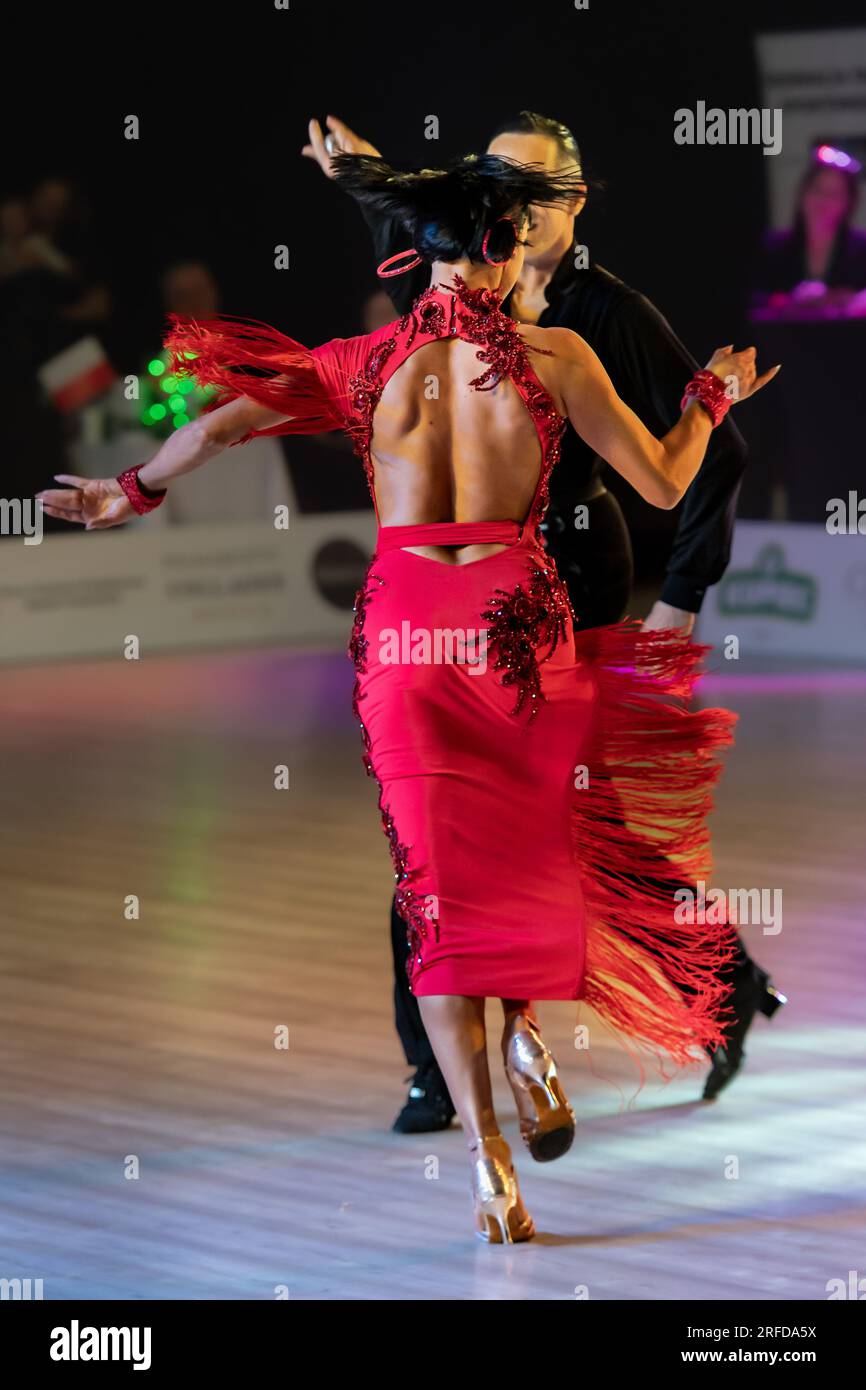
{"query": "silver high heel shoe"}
pixel 500 1216
pixel 546 1118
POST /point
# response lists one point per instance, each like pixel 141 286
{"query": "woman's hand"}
pixel 341 140
pixel 94 503
pixel 730 366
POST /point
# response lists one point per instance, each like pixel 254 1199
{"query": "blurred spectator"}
pixel 21 247
pixel 189 287
pixel 52 294
pixel 51 288
pixel 32 433
pixel 60 218
pixel 820 261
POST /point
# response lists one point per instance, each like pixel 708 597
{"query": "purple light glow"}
pixel 829 154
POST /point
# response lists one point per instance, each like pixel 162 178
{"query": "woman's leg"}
pixel 546 1118
pixel 455 1026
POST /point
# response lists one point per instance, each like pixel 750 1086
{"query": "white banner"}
pixel 791 590
pixel 182 586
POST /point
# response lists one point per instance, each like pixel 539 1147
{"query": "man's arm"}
pixel 388 233
pixel 650 367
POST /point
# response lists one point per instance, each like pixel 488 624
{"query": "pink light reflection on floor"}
pixel 784 682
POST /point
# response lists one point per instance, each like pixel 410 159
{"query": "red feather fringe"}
pixel 639 830
pixel 225 348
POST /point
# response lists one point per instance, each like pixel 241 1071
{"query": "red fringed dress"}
pixel 530 785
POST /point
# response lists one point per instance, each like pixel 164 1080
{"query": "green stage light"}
pixel 156 367
pixel 180 420
pixel 177 403
pixel 157 412
pixel 169 385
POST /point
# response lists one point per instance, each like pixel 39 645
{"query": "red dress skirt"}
pixel 543 791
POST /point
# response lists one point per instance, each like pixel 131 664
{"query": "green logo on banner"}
pixel 769 590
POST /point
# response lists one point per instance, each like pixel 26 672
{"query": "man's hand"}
pixel 95 503
pixel 341 140
pixel 662 616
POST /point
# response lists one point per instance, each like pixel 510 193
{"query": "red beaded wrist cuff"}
pixel 141 498
pixel 710 390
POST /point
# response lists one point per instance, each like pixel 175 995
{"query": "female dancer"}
pixel 505 766
pixel 648 365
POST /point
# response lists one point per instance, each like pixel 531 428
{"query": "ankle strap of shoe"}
pixel 487 1139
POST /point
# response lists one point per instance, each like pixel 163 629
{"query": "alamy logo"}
pixel 736 126
pixel 846 516
pixel 854 1288
pixel 755 906
pixel 438 646
pixel 21 517
pixel 76 1343
pixel 21 1289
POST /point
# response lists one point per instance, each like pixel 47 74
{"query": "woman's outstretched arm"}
pixel 659 469
pixel 98 503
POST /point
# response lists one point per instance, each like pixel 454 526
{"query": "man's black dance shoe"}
pixel 752 993
pixel 428 1106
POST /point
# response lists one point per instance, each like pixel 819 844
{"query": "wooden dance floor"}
pixel 155 1143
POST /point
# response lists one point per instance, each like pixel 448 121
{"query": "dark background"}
pixel 224 95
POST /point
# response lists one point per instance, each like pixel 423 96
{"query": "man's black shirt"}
pixel 649 368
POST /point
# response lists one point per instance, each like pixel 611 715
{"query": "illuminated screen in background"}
pixel 819 80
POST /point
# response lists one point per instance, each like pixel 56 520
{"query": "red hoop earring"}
pixel 385 274
pixel 485 242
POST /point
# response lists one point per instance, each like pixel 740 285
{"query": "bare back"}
pixel 442 450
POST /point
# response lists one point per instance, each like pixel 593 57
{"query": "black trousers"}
pixel 597 567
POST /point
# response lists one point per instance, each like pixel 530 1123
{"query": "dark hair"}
pixel 531 123
pixel 448 212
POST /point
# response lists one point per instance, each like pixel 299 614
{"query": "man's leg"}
pixel 751 992
pixel 428 1106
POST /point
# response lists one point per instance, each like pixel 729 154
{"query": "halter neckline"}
pixel 480 300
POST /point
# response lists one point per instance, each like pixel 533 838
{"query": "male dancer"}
pixel 648 366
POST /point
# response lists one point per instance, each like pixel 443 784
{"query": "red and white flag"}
pixel 78 375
